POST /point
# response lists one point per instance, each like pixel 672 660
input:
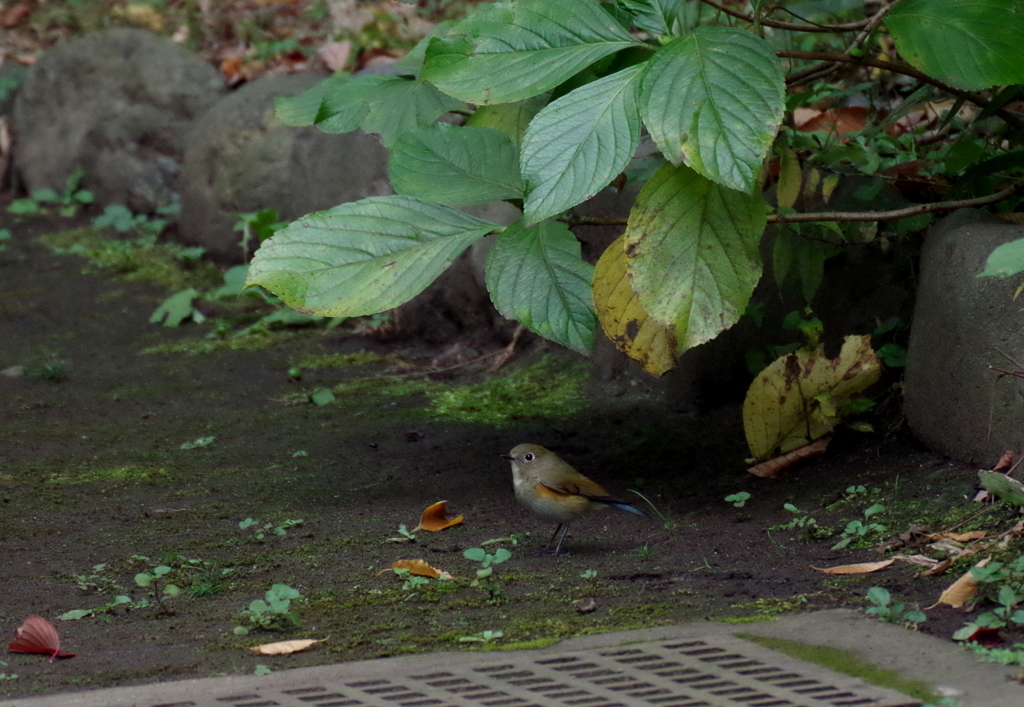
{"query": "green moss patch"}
pixel 847 663
pixel 545 389
pixel 164 264
pixel 121 473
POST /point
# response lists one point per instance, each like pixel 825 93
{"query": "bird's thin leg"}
pixel 559 527
pixel 561 537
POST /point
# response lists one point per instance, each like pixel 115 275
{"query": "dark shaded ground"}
pixel 92 472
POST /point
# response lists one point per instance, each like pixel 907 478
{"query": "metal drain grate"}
pixel 721 671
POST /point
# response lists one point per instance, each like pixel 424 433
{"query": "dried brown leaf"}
pixel 417 567
pixel 937 569
pixel 436 518
pixel 858 568
pixel 285 647
pixel 959 537
pixel 957 594
pixel 773 467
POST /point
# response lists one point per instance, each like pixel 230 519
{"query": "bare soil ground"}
pixel 92 472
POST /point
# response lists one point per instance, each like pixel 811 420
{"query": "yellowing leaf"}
pixel 960 537
pixel 285 647
pixel 788 188
pixel 859 568
pixel 957 594
pixel 417 567
pixel 436 518
pixel 623 317
pixel 800 397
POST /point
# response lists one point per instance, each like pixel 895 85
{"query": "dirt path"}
pixel 92 472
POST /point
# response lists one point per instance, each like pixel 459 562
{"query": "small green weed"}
pixel 122 220
pixel 48 366
pixel 888 611
pixel 67 202
pixel 485 572
pixel 162 590
pixel 738 499
pixel 257 227
pixel 1006 582
pixel 1004 656
pixel 644 551
pixel 273 612
pixel 588 574
pixel 7 676
pixel 199 443
pixel 5 235
pixel 859 530
pixel 803 521
pixel 410 582
pixel 404 535
pixel 512 540
pixel 260 532
pixel 97 582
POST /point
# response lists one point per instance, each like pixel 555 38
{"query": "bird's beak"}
pixel 506 456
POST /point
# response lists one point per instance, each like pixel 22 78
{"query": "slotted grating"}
pixel 719 671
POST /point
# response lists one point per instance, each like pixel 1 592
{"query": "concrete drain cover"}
pixel 714 671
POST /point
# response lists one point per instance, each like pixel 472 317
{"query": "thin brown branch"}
pixel 880 64
pixel 864 216
pixel 896 214
pixel 794 26
pixel 1011 118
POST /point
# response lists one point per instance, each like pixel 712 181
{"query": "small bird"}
pixel 555 491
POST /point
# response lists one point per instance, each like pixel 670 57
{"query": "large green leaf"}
pixel 455 166
pixel 388 105
pixel 973 44
pixel 1006 260
pixel 692 248
pixel 303 109
pixel 714 98
pixel 509 118
pixel 662 18
pixel 508 52
pixel 576 145
pixel 363 257
pixel 536 276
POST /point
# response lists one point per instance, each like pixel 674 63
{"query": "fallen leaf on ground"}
pixel 937 569
pixel 1005 461
pixel 419 568
pixel 858 568
pixel 957 594
pixel 773 467
pixel 922 560
pixel 37 635
pixel 285 647
pixel 436 518
pixel 959 537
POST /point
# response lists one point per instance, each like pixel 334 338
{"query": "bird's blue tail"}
pixel 626 507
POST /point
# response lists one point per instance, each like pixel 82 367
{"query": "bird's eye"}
pixel 528 456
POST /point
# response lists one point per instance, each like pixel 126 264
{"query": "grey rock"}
pixel 242 159
pixel 117 104
pixel 965 327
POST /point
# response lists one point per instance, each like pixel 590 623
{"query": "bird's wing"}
pixel 579 487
